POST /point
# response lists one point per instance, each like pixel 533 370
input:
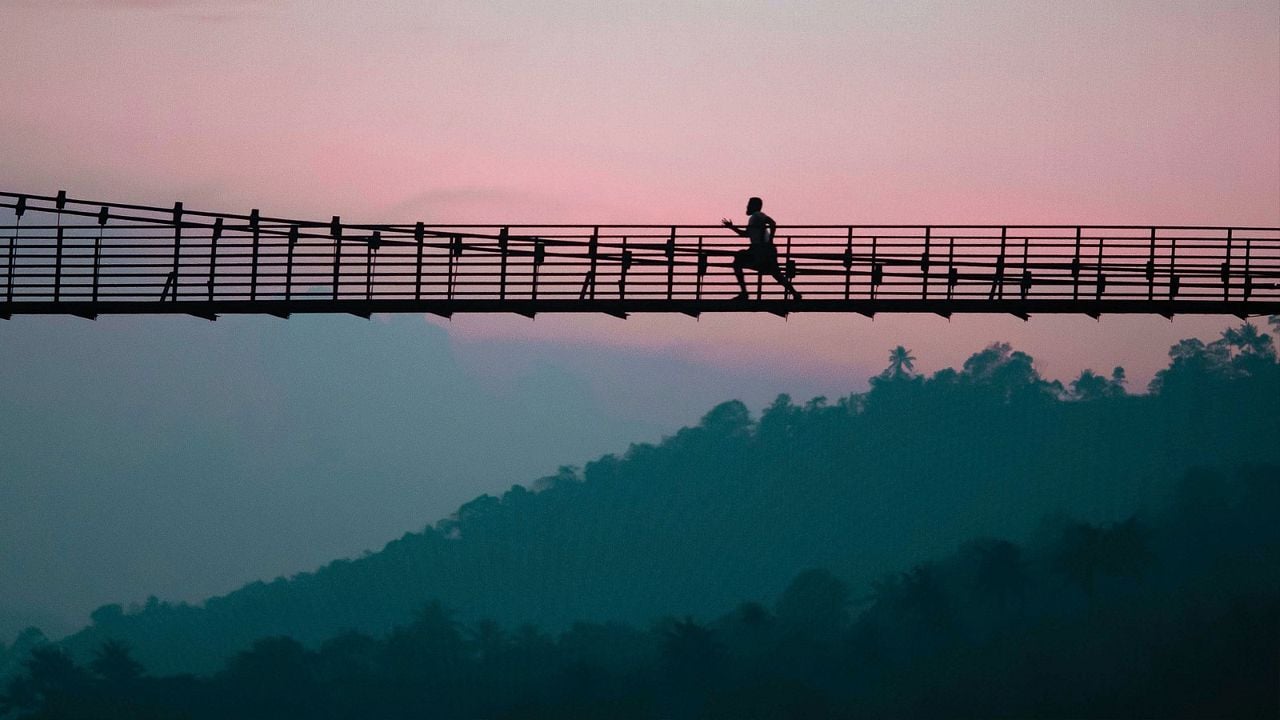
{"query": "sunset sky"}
pixel 850 111
pixel 835 112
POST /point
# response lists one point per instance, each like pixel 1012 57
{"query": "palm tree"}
pixel 1247 339
pixel 901 363
pixel 1089 386
pixel 1251 351
pixel 114 663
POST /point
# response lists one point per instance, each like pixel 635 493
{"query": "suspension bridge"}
pixel 63 256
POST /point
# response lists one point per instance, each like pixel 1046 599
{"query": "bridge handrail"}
pixel 91 256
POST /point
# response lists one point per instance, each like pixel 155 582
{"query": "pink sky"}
pixel 835 112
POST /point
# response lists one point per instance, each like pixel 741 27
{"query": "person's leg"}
pixel 741 259
pixel 785 283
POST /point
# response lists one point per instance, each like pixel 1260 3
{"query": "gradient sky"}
pixel 1160 112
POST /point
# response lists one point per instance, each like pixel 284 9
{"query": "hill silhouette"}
pixel 1170 615
pixel 736 507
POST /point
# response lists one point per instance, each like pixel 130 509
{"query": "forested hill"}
pixel 734 508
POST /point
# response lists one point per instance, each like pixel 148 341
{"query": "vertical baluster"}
pixel 8 274
pixel 847 261
pixel 953 277
pixel 1226 270
pixel 335 231
pixel 503 238
pixel 790 271
pixel 254 225
pixel 57 264
pixel 1173 267
pixel 288 273
pixel 371 263
pixel 1248 274
pixel 419 231
pixel 622 274
pixel 924 266
pixel 593 251
pixel 213 255
pixel 97 250
pixel 1024 286
pixel 455 258
pixel 539 256
pixel 1101 283
pixel 1151 267
pixel 1075 269
pixel 177 248
pixel 448 275
pixel 19 209
pixel 997 280
pixel 877 272
pixel 671 263
pixel 702 267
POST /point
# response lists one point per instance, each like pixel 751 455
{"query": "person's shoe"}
pixel 740 296
pixel 795 295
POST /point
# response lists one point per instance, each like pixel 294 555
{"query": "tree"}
pixel 727 419
pixel 689 649
pixel 349 655
pixel 274 678
pixel 489 639
pixel 428 646
pixel 107 615
pixel 1118 381
pixel 1078 556
pixel 752 615
pixel 1190 363
pixel 1092 386
pixel 1086 552
pixel 1011 372
pixel 901 364
pixel 114 663
pixel 1089 386
pixel 49 672
pixel 1251 351
pixel 815 605
pixel 925 596
pixel 1001 571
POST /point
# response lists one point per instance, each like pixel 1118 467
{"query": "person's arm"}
pixel 770 227
pixel 729 224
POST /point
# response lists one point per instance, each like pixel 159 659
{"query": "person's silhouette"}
pixel 762 255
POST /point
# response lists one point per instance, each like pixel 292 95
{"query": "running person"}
pixel 761 256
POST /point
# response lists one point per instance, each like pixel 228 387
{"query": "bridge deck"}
pixel 87 258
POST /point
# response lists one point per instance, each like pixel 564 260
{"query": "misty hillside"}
pixel 735 507
pixel 1171 615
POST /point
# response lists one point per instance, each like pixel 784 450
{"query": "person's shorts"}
pixel 760 260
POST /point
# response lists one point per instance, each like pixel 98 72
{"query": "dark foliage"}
pixel 846 517
pixel 1177 618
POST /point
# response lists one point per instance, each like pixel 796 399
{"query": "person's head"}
pixel 754 205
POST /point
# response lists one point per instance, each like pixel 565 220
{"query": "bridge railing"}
pixel 104 256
